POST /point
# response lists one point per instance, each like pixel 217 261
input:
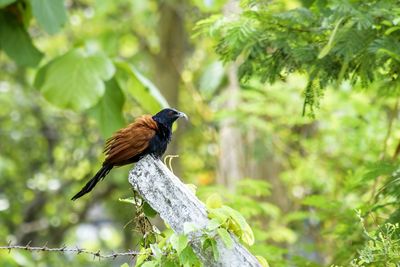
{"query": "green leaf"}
pixel 189 227
pixel 214 249
pixel 169 262
pixel 144 254
pixel 148 239
pixel 4 3
pixel 214 201
pixel 206 243
pixel 149 264
pixel 125 265
pixel 226 237
pixel 130 200
pixel 75 80
pixel 41 75
pixel 178 242
pixel 236 223
pixel 148 210
pixel 263 261
pixel 51 15
pixel 218 215
pixel 140 88
pixel 188 258
pixel 153 90
pixel 108 111
pixel 325 50
pixel 157 253
pixel 247 235
pixel 209 242
pixel 213 224
pixel 16 42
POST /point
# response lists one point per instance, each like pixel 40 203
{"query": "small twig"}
pixel 76 250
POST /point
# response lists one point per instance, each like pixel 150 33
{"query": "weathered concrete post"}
pixel 177 205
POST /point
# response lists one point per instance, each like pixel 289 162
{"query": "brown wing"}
pixel 130 141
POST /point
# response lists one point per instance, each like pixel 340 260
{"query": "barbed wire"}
pixel 77 250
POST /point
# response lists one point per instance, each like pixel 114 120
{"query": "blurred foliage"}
pixel 328 40
pixel 73 72
pixel 382 247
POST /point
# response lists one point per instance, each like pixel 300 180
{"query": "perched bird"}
pixel 146 135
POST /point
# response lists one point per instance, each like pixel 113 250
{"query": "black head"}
pixel 168 116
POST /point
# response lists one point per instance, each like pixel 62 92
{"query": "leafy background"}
pixel 293 110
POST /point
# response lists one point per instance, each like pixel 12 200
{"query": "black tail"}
pixel 92 183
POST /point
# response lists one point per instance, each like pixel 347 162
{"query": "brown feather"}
pixel 130 141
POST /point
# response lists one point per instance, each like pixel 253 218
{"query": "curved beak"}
pixel 183 115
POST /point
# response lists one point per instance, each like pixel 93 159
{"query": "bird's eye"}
pixel 171 113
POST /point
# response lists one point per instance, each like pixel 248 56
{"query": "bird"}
pixel 147 135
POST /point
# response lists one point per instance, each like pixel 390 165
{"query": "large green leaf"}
pixel 140 88
pixel 75 80
pixel 235 222
pixel 4 3
pixel 108 111
pixel 213 224
pixel 188 258
pixel 226 237
pixel 178 242
pixel 148 210
pixel 41 75
pixel 214 249
pixel 247 234
pixel 51 15
pixel 16 42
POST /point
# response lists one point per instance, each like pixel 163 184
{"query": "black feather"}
pixel 92 182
